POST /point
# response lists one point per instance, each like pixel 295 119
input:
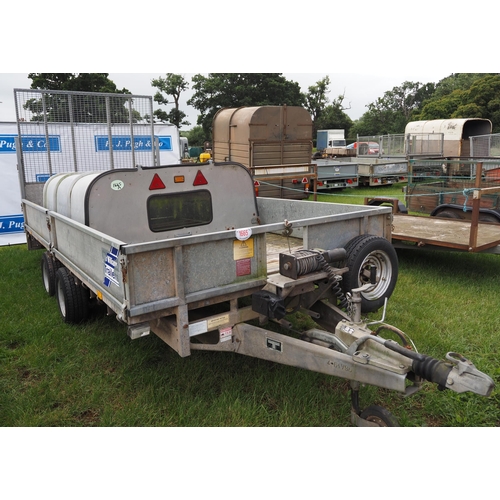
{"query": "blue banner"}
pixel 30 143
pixel 11 224
pixel 124 143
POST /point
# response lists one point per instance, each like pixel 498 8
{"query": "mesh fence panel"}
pixel 82 131
pixel 483 146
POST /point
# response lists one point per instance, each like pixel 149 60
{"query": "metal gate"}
pixel 484 146
pixel 62 132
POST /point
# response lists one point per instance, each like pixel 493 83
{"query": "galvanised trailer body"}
pixel 182 251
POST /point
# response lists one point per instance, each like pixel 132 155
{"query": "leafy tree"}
pixel 232 90
pixel 390 114
pixel 196 136
pixel 478 97
pixel 334 117
pixel 323 114
pixel 172 85
pixel 316 98
pixel 55 107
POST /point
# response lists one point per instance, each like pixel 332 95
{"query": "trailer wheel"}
pixel 363 253
pixel 448 214
pixel 71 297
pixel 49 267
pixel 48 273
pixel 380 416
pixel 488 218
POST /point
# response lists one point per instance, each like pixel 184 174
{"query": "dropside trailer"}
pixel 189 253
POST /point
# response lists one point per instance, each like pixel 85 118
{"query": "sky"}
pixel 366 51
pixel 359 89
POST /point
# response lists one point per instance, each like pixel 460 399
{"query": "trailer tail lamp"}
pixel 349 181
pixel 199 180
pixel 295 181
pixel 320 183
pixel 256 185
pixel 156 183
pixel 178 179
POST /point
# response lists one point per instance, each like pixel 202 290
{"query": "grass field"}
pixel 53 374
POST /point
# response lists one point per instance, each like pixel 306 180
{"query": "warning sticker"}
pixel 243 267
pixel 225 334
pixel 243 249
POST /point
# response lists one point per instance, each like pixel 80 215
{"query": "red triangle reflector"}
pixel 199 180
pixel 304 180
pixel 256 183
pixel 156 183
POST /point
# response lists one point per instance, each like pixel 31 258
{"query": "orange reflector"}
pixel 156 183
pixel 178 179
pixel 199 180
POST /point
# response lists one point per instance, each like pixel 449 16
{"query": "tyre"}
pixel 380 416
pixel 448 214
pixel 72 297
pixel 488 218
pixel 48 273
pixel 363 149
pixel 363 253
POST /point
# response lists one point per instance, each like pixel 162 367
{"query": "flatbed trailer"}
pixel 427 233
pixel 189 253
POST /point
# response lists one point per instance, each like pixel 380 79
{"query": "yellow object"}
pixel 204 157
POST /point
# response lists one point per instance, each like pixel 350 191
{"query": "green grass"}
pixel 53 374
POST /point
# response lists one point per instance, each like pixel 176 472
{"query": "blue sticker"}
pixel 110 263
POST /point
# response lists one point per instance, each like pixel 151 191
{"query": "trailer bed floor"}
pixel 276 244
pixel 446 233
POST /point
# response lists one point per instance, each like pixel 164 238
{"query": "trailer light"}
pixel 178 179
pixel 199 180
pixel 295 181
pixel 349 181
pixel 320 183
pixel 156 183
pixel 256 185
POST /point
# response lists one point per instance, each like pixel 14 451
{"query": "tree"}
pixel 55 107
pixel 77 82
pixel 333 117
pixel 476 97
pixel 196 136
pixel 390 114
pixel 316 98
pixel 323 114
pixel 172 85
pixel 232 90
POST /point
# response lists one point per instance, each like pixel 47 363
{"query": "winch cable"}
pixel 310 261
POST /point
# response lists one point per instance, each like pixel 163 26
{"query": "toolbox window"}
pixel 178 210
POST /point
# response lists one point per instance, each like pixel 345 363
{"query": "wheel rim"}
pixel 381 261
pixel 60 298
pixel 46 278
pixel 377 420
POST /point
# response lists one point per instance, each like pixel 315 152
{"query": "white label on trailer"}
pixel 117 185
pixel 225 334
pixel 243 234
pixel 197 328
